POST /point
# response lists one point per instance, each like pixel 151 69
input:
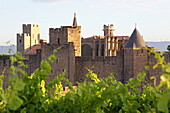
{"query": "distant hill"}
pixel 160 45
pixel 5 49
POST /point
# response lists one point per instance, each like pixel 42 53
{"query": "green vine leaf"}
pixel 19 84
pixel 14 102
pixel 163 102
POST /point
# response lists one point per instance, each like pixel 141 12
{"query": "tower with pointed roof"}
pixel 135 40
pixel 134 55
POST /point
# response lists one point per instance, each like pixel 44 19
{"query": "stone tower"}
pixel 29 37
pixel 111 42
pixel 135 55
pixel 108 30
pixel 66 34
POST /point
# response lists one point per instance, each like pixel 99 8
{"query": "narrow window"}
pixel 20 41
pixel 97 50
pixel 38 36
pixel 102 50
pixel 56 60
pixel 58 41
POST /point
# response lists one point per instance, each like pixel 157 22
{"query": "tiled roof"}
pixel 33 49
pixel 122 37
pixel 102 37
pixel 135 40
pixel 93 37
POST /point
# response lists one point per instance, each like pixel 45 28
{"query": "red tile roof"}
pixel 102 37
pixel 33 49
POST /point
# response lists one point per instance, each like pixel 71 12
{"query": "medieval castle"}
pixel 123 56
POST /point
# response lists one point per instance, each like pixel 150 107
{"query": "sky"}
pixel 151 16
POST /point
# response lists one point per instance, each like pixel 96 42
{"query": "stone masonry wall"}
pixel 140 60
pixel 4 70
pixel 33 62
pixel 102 66
pixel 67 34
pixel 58 36
pixel 74 35
pixel 65 59
pixel 128 64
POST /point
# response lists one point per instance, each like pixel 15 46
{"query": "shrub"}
pixel 28 94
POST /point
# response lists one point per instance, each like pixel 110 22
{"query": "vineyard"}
pixel 31 94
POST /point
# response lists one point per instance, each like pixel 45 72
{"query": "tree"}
pixel 168 48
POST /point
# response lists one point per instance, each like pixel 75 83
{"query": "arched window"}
pixel 86 50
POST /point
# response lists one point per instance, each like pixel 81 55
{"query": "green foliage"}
pixel 32 94
pixel 163 97
pixel 168 48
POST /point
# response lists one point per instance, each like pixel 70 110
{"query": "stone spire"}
pixel 75 20
pixel 135 40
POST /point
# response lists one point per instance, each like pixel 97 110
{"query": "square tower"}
pixel 66 34
pixel 29 37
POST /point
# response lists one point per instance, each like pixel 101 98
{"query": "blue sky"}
pixel 152 17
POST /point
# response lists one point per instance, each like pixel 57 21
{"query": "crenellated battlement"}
pixel 62 28
pixel 26 34
pixel 22 34
pixel 30 25
pixel 57 30
pixel 19 34
pixel 109 27
pixel 30 28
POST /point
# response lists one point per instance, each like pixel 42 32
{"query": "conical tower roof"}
pixel 75 20
pixel 135 40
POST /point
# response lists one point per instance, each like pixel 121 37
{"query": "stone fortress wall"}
pixel 65 59
pixel 102 66
pixel 122 56
pixel 4 67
